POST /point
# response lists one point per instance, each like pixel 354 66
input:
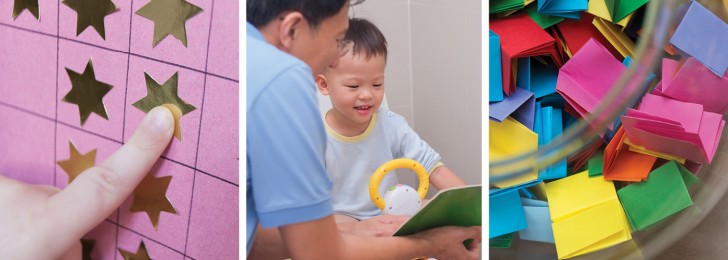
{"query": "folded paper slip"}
pixel 623 164
pixel 674 127
pixel 576 204
pixel 704 36
pixel 563 8
pixel 520 37
pixel 508 139
pixel 663 194
pixel 586 79
pixel 694 83
pixel 577 32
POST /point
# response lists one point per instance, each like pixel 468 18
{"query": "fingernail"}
pixel 161 119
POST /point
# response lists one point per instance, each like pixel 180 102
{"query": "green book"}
pixel 460 206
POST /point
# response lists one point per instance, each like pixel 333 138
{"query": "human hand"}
pixel 379 226
pixel 41 222
pixel 447 242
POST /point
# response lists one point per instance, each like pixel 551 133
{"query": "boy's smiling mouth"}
pixel 363 109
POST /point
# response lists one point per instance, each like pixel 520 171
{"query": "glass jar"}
pixel 661 18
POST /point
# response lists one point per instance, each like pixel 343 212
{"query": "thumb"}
pixel 99 190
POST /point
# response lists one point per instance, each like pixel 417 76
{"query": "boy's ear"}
pixel 289 28
pixel 322 84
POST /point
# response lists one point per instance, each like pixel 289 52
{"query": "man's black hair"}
pixel 261 12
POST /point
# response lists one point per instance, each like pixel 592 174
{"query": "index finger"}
pixel 99 190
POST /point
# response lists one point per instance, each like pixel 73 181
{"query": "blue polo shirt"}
pixel 286 180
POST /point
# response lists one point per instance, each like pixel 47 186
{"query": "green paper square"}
pixel 596 164
pixel 662 195
pixel 545 21
pixel 497 6
pixel 502 241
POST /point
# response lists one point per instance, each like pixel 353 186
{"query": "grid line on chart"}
pixel 55 124
pixel 122 52
pixel 199 130
pixel 129 54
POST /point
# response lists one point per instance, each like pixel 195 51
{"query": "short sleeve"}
pixel 286 143
pixel 408 144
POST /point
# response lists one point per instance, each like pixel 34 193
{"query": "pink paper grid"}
pixel 36 125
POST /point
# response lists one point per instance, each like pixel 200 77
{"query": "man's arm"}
pixel 320 239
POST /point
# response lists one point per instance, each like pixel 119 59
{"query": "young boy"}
pixel 361 137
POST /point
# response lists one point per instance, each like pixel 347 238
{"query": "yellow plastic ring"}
pixel 378 176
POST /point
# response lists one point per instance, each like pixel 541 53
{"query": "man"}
pixel 289 42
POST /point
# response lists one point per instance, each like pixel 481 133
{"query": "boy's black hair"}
pixel 261 12
pixel 366 37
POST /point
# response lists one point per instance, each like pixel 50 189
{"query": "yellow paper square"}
pixel 595 228
pixel 577 192
pixel 508 139
pixel 599 9
pixel 615 36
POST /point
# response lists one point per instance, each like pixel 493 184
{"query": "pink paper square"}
pixel 190 85
pixel 171 229
pixel 28 69
pixel 224 46
pixel 218 153
pixel 110 68
pixel 26 147
pixel 47 10
pixel 170 49
pixel 116 27
pixel 104 236
pixel 130 241
pixel 214 223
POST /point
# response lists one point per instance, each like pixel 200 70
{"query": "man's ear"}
pixel 322 84
pixel 290 28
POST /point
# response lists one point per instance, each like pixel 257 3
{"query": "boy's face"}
pixel 355 86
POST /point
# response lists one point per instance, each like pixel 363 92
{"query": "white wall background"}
pixel 433 75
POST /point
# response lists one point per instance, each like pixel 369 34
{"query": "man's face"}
pixel 319 47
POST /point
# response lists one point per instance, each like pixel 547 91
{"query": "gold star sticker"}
pixel 87 92
pixel 166 95
pixel 169 17
pixel 150 197
pixel 91 13
pixel 30 5
pixel 78 162
pixel 141 253
pixel 87 246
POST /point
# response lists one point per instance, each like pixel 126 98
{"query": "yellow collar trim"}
pixel 351 139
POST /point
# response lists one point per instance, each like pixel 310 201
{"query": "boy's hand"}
pixel 41 222
pixel 379 226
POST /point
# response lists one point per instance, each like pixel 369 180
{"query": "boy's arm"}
pixel 443 178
